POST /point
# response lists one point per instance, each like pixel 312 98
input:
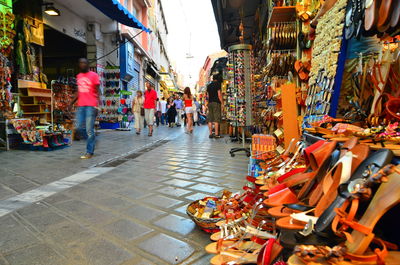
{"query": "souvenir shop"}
pixel 7 34
pixel 42 65
pixel 43 60
pixel 318 94
pixel 120 82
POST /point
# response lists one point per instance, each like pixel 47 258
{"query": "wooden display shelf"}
pixel 32 113
pixel 35 92
pixel 39 104
pixel 32 84
pixel 282 14
pixel 35 98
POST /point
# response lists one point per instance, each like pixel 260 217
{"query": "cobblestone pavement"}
pixel 133 214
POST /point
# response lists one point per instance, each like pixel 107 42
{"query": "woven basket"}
pixel 209 225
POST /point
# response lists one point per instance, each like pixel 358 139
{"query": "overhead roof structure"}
pixel 229 14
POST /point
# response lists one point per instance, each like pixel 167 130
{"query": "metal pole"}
pixel 243 138
pixel 51 107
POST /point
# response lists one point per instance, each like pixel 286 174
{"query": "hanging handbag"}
pixel 141 111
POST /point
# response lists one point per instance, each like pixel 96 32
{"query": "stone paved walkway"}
pixel 134 214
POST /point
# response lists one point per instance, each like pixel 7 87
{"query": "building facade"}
pixel 151 57
pixel 205 71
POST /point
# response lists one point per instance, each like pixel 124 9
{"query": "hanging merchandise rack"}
pixel 326 63
pixel 111 99
pixel 240 57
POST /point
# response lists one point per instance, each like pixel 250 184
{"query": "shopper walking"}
pixel 214 107
pixel 188 103
pixel 138 111
pixel 163 106
pixel 150 98
pixel 158 112
pixel 88 99
pixel 171 113
pixel 179 108
pixel 196 112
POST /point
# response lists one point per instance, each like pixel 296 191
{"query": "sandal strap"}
pixel 378 257
pixel 346 219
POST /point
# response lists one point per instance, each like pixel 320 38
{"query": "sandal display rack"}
pixel 111 99
pixel 275 57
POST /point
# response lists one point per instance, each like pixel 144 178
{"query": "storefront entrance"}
pixel 61 54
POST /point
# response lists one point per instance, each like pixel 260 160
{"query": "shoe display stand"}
pixel 277 111
pixel 110 100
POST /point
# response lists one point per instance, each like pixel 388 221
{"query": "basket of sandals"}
pixel 204 213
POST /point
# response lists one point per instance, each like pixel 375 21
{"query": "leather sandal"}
pixel 342 173
pixel 262 256
pixel 315 157
pixel 359 240
pixel 320 233
pixel 386 197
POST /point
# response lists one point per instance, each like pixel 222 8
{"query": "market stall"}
pixel 39 58
pixel 329 194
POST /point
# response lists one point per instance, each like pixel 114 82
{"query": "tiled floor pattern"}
pixel 135 214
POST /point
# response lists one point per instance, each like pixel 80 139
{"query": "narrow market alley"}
pixel 135 213
pixel 211 132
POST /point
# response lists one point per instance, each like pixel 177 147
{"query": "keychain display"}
pixel 7 32
pixel 5 87
pixel 239 99
pixel 325 55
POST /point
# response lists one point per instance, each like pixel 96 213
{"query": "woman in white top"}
pixel 137 107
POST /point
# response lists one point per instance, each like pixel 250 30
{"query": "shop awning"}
pixel 115 10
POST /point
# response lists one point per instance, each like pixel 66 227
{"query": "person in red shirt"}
pixel 88 100
pixel 150 99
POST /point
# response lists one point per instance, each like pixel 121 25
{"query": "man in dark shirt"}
pixel 214 107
